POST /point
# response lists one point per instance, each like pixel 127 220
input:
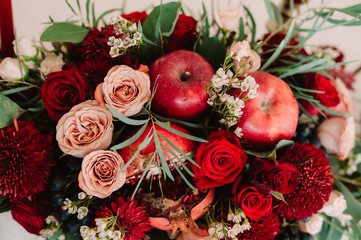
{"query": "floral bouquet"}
pixel 155 125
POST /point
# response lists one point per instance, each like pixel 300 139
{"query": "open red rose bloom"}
pixel 162 125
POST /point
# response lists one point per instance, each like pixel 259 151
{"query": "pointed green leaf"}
pixel 104 14
pixel 166 126
pixel 64 32
pixel 125 119
pixel 15 90
pixel 280 197
pixel 130 140
pixel 353 206
pixel 8 110
pixel 164 162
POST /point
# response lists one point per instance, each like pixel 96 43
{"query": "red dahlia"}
pixel 130 218
pixel 314 183
pixel 266 228
pixel 25 159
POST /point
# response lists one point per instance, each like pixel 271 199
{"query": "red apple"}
pixel 182 77
pixel 271 116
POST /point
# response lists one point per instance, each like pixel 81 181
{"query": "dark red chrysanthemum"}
pixel 25 160
pixel 130 218
pixel 266 228
pixel 93 73
pixel 314 183
pixel 94 45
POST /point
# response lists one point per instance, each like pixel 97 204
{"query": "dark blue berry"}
pixel 56 183
pixel 72 226
pixel 316 141
pixel 303 130
pixel 65 215
pixel 56 200
pixel 283 236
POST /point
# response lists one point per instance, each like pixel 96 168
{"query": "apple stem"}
pixel 185 76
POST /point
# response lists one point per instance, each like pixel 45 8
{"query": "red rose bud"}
pixel 221 160
pixel 136 17
pixel 184 35
pixel 329 96
pixel 63 90
pixel 253 203
pixel 29 215
pixel 268 175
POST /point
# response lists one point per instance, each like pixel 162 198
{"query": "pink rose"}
pixel 338 135
pixel 200 233
pixel 228 18
pixel 245 59
pixel 313 226
pixel 345 105
pixel 85 128
pixel 100 174
pixel 124 89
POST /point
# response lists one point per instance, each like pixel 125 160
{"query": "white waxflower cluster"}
pixel 48 232
pixel 102 231
pixel 131 37
pixel 82 212
pixel 220 230
pixel 72 207
pixel 227 106
pixel 351 165
pixel 51 228
pixel 68 205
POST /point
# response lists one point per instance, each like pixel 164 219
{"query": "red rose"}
pixel 63 90
pixel 184 35
pixel 268 175
pixel 28 214
pixel 136 17
pixel 221 160
pixel 253 203
pixel 328 97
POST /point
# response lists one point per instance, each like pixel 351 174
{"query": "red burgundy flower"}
pixel 130 218
pixel 63 90
pixel 328 97
pixel 221 160
pixel 269 175
pixel 136 17
pixel 314 184
pixel 184 35
pixel 25 160
pixel 28 214
pixel 253 203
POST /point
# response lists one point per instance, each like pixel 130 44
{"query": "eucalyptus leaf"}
pixel 165 16
pixel 105 14
pixel 131 139
pixel 254 26
pixel 159 149
pixel 280 197
pixel 15 90
pixel 64 32
pixel 166 126
pixel 56 235
pixel 241 36
pixel 353 206
pixel 9 110
pixel 125 119
pixel 268 154
pixel 214 57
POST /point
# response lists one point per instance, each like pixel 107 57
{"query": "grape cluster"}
pixel 305 134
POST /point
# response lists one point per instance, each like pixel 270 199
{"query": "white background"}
pixel 30 14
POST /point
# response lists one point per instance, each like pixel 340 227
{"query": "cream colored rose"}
pixel 10 69
pixel 313 226
pixel 228 18
pixel 124 89
pixel 51 63
pixel 25 47
pixel 338 135
pixel 241 51
pixel 345 105
pixel 100 173
pixel 85 128
pixel 335 206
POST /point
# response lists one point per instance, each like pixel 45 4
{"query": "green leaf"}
pixel 179 150
pixel 56 235
pixel 104 14
pixel 166 126
pixel 281 144
pixel 71 8
pixel 15 90
pixel 253 28
pixel 277 14
pixel 141 146
pixel 279 49
pixel 64 32
pixel 87 7
pixel 241 36
pixel 353 206
pixel 125 119
pixel 130 140
pixel 159 149
pixel 280 197
pixel 8 110
pixel 214 57
pixel 143 175
pixel 166 15
pixel 179 122
pixel 269 11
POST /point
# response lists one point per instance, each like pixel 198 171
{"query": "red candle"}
pixel 6 28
